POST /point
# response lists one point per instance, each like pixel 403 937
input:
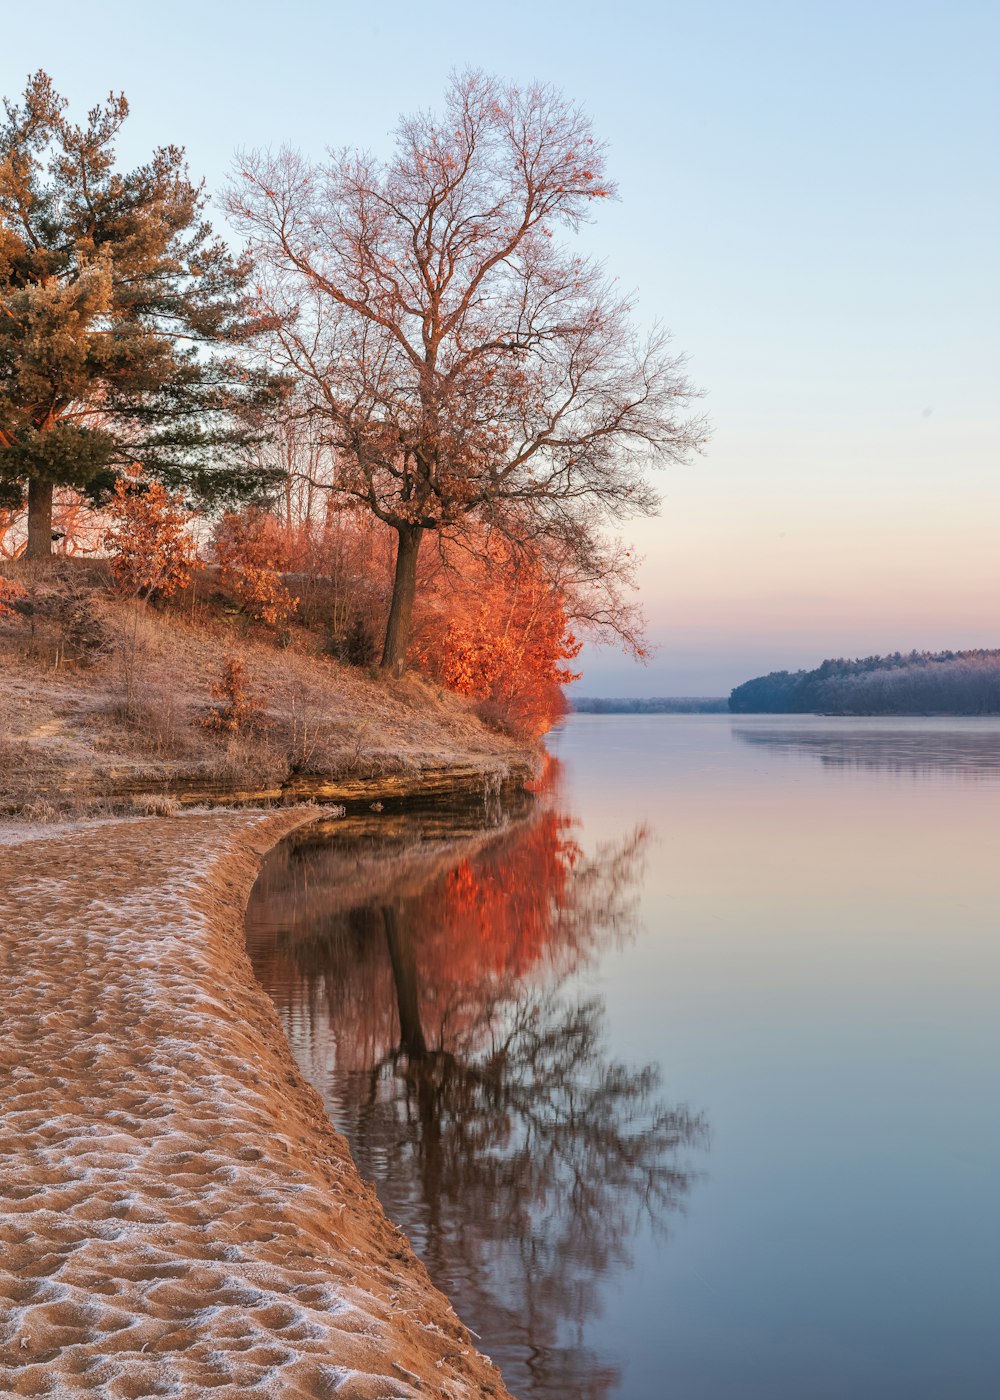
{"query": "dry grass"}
pixel 102 697
pixel 8 738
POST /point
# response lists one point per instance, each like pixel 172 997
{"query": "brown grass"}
pixel 103 697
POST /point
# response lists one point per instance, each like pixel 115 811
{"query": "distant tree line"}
pixel 658 705
pixel 919 683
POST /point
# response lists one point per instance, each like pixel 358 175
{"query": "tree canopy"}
pixel 463 362
pixel 118 311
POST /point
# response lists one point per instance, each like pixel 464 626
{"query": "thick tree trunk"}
pixel 39 519
pixel 404 591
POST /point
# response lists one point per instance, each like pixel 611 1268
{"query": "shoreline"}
pixel 462 781
pixel 177 1212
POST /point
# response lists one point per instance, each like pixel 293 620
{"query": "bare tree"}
pixel 465 363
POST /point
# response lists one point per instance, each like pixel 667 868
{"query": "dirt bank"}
pixel 177 1216
pixel 105 704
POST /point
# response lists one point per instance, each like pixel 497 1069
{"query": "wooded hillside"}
pixel 919 683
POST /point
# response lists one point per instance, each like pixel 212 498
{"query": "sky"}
pixel 809 200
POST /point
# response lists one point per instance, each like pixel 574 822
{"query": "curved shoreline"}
pixel 177 1214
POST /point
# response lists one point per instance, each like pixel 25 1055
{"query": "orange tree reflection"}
pixel 476 1086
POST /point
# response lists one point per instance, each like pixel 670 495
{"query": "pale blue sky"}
pixel 809 200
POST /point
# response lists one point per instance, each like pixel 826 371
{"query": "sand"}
pixel 177 1215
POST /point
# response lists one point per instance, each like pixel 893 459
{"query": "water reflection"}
pixel 431 991
pixel 915 747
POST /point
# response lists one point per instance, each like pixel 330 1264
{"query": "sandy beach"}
pixel 177 1215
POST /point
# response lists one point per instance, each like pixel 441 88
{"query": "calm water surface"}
pixel 683 1083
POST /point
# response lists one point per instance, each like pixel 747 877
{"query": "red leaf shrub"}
pixel 251 551
pixel 505 643
pixel 10 591
pixel 152 552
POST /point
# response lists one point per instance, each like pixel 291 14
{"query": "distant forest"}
pixel 920 683
pixel 661 705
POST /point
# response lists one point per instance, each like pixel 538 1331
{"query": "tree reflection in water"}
pixel 966 749
pixel 473 1082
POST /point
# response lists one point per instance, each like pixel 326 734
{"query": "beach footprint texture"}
pixel 177 1216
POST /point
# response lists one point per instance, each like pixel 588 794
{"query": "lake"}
pixel 682 1078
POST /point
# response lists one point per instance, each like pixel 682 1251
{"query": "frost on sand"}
pixel 177 1216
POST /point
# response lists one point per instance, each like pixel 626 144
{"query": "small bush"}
pixel 356 645
pixel 237 711
pixel 152 552
pixel 360 646
pixel 248 548
pixel 154 720
pixel 262 594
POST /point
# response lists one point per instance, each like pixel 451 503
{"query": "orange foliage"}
pixel 492 625
pixel 252 549
pixel 530 907
pixel 505 642
pixel 236 709
pixel 10 591
pixel 479 921
pixel 151 549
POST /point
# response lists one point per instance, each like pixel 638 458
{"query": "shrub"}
pixel 360 646
pixel 506 652
pixel 249 550
pixel 152 552
pixel 10 592
pixel 236 710
pixel 156 805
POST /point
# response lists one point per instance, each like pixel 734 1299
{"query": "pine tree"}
pixel 120 314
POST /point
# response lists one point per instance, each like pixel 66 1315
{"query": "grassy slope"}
pixel 101 698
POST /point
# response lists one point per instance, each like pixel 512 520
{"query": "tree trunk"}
pixel 403 957
pixel 39 519
pixel 404 591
